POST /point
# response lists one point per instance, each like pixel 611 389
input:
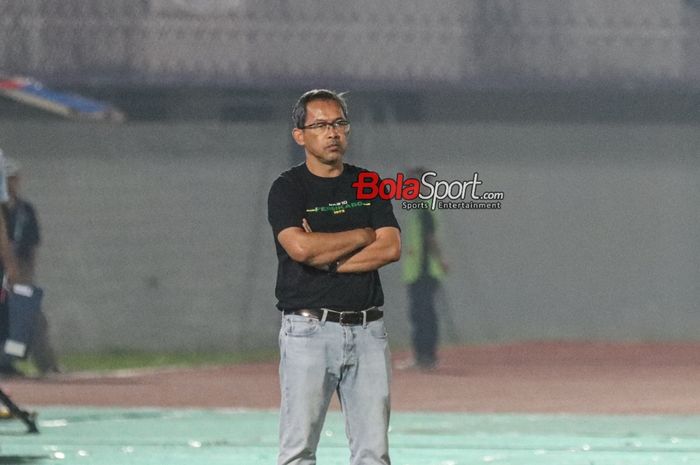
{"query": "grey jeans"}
pixel 319 358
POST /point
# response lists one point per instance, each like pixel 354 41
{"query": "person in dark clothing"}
pixel 23 231
pixel 8 275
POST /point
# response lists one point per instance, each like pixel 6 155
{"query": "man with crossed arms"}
pixel 330 246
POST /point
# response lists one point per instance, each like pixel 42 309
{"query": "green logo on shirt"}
pixel 338 207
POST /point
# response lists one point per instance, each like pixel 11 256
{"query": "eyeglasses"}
pixel 323 126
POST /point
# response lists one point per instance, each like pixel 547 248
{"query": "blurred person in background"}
pixel 23 231
pixel 423 267
pixel 8 276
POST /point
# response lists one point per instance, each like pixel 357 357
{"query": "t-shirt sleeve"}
pixel 285 205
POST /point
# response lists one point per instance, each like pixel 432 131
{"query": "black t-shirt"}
pixel 329 205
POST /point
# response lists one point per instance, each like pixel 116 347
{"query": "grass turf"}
pixel 129 359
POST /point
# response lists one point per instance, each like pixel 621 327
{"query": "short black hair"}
pixel 299 110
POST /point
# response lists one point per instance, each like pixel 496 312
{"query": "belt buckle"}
pixel 342 318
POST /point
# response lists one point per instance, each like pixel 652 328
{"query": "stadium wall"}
pixel 155 235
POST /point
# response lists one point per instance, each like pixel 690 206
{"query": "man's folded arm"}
pixel 318 249
pixel 384 250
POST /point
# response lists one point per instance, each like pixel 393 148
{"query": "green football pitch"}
pixel 110 436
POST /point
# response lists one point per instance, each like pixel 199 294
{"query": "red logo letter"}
pixel 412 189
pixel 366 180
pixel 388 189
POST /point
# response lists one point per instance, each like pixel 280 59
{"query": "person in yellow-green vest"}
pixel 423 268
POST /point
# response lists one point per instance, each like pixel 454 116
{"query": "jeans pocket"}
pixel 299 326
pixel 377 329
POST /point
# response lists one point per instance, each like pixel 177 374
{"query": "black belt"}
pixel 344 318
